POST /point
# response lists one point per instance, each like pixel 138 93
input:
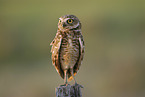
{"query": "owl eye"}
pixel 69 21
pixel 59 21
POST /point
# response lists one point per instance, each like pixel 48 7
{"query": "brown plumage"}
pixel 68 47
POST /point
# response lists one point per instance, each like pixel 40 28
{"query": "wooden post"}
pixel 69 90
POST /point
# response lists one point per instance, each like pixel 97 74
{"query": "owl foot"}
pixel 78 85
pixel 65 84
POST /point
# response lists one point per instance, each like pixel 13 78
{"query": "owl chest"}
pixel 69 45
pixel 69 52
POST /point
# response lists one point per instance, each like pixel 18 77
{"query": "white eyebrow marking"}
pixel 66 19
pixel 60 19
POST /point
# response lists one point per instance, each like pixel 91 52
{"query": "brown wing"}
pixel 56 43
pixel 81 55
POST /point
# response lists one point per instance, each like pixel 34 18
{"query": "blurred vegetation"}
pixel 114 34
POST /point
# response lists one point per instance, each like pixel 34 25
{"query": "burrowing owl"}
pixel 68 47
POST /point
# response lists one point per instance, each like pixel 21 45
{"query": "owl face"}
pixel 68 22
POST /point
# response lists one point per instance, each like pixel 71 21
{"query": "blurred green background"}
pixel 114 34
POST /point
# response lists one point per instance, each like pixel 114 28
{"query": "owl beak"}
pixel 64 25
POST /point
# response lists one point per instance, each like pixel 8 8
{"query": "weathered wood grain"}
pixel 69 90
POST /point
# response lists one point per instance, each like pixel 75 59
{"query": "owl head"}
pixel 69 22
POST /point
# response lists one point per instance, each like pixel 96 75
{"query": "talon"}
pixel 64 84
pixel 76 84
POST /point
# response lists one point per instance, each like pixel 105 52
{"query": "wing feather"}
pixel 56 45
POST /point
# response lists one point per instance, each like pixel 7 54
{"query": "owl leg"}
pixel 75 80
pixel 73 76
pixel 65 75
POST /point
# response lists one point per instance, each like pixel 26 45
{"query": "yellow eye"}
pixel 69 21
pixel 59 21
